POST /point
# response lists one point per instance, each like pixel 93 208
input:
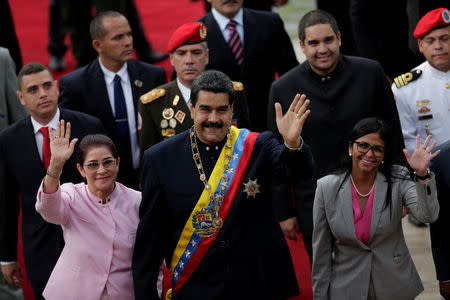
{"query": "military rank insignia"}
pixel 406 78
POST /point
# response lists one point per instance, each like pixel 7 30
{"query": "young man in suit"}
pixel 24 157
pixel 109 88
pixel 343 89
pixel 260 49
pixel 231 246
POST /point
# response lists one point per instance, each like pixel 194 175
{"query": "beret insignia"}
pixel 406 78
pixel 238 86
pixel 152 95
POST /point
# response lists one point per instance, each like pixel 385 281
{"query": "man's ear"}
pixel 191 108
pixel 96 44
pixel 20 96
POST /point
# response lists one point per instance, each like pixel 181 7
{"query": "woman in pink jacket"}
pixel 99 220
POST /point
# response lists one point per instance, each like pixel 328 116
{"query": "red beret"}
pixel 436 18
pixel 189 33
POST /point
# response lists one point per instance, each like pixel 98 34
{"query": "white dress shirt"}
pixel 222 21
pixel 185 92
pixel 128 94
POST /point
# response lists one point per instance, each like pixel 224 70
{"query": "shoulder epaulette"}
pixel 152 95
pixel 238 86
pixel 406 78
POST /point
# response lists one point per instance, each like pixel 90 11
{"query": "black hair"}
pixel 97 28
pixel 31 68
pixel 212 81
pixel 362 128
pixel 95 140
pixel 315 17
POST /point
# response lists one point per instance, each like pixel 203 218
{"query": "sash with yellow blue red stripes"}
pixel 191 247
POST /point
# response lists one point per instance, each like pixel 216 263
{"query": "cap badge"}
pixel 202 31
pixel 446 16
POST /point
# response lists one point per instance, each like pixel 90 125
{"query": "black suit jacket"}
pixel 85 90
pixel 267 51
pixel 21 173
pixel 249 258
pixel 440 243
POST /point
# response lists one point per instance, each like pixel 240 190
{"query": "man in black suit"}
pixel 22 159
pixel 109 88
pixel 440 243
pixel 267 50
pixel 221 241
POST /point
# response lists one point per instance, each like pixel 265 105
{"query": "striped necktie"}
pixel 235 43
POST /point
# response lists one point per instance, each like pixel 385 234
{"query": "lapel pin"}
pixel 138 83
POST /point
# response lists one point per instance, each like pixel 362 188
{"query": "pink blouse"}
pixel 362 222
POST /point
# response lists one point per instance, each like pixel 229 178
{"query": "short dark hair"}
pixel 315 17
pixel 92 141
pixel 97 28
pixel 31 68
pixel 212 81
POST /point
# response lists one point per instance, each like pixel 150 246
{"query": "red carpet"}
pixel 160 19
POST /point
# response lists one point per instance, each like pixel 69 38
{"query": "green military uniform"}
pixel 163 112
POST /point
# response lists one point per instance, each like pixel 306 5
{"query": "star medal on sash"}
pixel 251 188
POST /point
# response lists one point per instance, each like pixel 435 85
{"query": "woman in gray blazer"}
pixel 359 251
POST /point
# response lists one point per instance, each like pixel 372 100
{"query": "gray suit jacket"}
pixel 346 268
pixel 10 108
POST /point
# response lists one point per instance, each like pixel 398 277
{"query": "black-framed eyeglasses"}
pixel 107 164
pixel 364 147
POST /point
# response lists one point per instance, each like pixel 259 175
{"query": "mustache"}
pixel 190 68
pixel 230 1
pixel 212 125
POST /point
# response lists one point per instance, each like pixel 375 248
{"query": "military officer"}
pixel 423 95
pixel 164 111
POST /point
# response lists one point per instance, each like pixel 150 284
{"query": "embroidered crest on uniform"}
pixel 202 221
pixel 152 95
pixel 139 121
pixel 251 188
pixel 168 113
pixel 138 83
pixel 424 109
pixel 423 102
pixel 406 78
pixel 180 116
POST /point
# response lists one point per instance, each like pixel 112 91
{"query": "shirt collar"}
pixel 185 91
pixel 52 123
pixel 222 21
pixel 109 76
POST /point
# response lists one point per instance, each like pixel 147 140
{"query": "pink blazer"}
pixel 99 242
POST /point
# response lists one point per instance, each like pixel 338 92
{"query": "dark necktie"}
pixel 235 43
pixel 121 119
pixel 46 153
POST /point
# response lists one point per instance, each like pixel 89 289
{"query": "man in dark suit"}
pixel 231 246
pixel 109 88
pixel 23 157
pixel 440 243
pixel 264 50
pixel 343 89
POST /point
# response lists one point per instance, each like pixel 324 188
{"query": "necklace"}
pixel 215 200
pixel 362 195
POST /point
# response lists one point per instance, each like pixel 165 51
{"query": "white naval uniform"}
pixel 424 106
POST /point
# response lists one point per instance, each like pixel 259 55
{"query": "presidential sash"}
pixel 199 233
